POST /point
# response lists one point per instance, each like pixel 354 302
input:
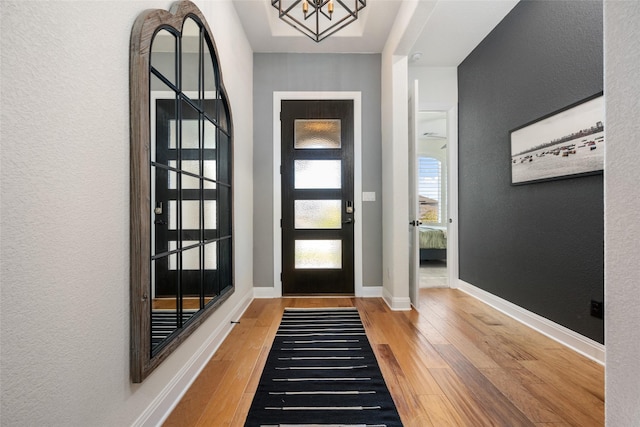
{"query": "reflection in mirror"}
pixel 164 321
pixel 210 132
pixel 181 183
pixel 163 55
pixel 190 44
pixel 210 83
pixel 224 154
pixel 223 114
pixel 163 129
pixel 209 174
pixel 224 216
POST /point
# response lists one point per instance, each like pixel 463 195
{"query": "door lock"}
pixel 349 207
pixel 158 209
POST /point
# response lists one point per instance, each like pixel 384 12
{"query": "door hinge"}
pixel 281 277
pixel 280 169
pixel 280 222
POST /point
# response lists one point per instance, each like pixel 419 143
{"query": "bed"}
pixel 433 242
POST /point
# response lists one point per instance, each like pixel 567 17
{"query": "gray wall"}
pixel 316 72
pixel 539 246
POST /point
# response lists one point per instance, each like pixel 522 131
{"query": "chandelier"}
pixel 318 19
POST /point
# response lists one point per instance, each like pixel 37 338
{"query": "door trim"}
pixel 278 97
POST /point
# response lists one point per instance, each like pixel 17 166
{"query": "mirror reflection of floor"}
pixel 170 303
pixel 433 274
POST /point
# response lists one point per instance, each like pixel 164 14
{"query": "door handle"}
pixel 415 223
pixel 348 221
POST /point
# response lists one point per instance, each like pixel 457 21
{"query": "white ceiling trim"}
pixel 444 31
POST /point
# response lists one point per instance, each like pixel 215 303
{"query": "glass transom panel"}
pixel 309 174
pixel 318 254
pixel 317 133
pixel 313 214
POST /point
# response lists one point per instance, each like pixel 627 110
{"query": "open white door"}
pixel 414 222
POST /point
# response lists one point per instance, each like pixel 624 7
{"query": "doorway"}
pixel 433 198
pixel 356 97
pixel 317 197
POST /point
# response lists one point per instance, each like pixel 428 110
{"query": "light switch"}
pixel 368 196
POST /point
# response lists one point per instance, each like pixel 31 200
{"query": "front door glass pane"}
pixel 311 174
pixel 310 214
pixel 318 254
pixel 316 133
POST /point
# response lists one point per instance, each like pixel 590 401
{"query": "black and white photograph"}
pixel 565 144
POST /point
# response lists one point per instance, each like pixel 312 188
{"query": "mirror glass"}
pixel 191 55
pixel 163 55
pixel 181 183
pixel 210 81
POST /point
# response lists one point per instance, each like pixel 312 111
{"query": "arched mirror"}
pixel 181 182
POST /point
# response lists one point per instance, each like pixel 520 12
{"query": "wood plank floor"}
pixel 456 362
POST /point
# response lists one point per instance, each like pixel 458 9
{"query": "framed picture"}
pixel 564 144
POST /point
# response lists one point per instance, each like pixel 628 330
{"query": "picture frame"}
pixel 566 143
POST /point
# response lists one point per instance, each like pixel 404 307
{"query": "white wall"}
pixel 438 86
pixel 395 150
pixel 622 205
pixel 65 210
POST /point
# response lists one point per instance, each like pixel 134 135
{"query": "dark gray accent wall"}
pixel 274 72
pixel 539 246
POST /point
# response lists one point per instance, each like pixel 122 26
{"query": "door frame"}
pixel 414 241
pixel 278 97
pixel 453 262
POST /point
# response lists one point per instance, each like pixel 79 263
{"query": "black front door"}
pixel 317 197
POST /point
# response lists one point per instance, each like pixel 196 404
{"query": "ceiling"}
pixel 443 31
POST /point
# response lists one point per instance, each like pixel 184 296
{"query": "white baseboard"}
pixel 161 407
pixel 264 292
pixel 583 345
pixel 369 292
pixel 396 303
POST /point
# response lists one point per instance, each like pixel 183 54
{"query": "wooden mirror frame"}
pixel 146 26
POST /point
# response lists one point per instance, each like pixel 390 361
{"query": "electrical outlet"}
pixel 597 309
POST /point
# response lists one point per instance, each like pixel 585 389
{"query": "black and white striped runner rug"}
pixel 321 371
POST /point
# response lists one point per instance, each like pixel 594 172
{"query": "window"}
pixel 181 183
pixel 431 187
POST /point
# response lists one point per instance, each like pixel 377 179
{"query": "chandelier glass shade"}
pixel 318 19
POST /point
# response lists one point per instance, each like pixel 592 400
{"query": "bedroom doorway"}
pixel 432 198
